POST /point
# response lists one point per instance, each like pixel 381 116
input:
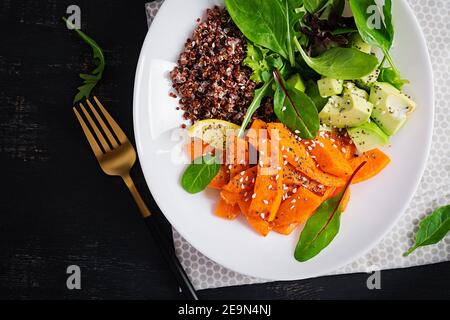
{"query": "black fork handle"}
pixel 156 229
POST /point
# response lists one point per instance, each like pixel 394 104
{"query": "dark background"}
pixel 56 206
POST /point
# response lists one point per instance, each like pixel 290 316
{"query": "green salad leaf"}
pixel 263 22
pixel 90 80
pixel 312 90
pixel 432 229
pixel 375 24
pixel 341 63
pixel 295 109
pixel 393 77
pixel 260 94
pixel 323 226
pixel 199 174
pixel 312 6
pixel 262 62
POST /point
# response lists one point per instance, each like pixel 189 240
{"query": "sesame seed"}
pixel 266 202
pixel 254 196
pixel 292 207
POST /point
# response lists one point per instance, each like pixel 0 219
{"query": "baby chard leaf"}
pixel 199 175
pixel 295 109
pixel 432 229
pixel 323 226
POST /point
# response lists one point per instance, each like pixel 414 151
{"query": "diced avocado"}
pixel 358 43
pixel 368 136
pixel 350 111
pixel 297 82
pixel 390 107
pixel 350 88
pixel 330 87
pixel 368 81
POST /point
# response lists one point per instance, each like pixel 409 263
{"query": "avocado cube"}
pixel 350 88
pixel 296 82
pixel 358 43
pixel 391 107
pixel 329 87
pixel 368 136
pixel 345 112
pixel 367 81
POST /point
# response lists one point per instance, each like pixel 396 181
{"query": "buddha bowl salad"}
pixel 290 105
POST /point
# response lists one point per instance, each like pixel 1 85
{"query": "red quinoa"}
pixel 210 78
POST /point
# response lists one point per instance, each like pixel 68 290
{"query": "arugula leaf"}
pixel 256 103
pixel 262 62
pixel 261 21
pixel 393 77
pixel 323 226
pixel 295 109
pixel 341 63
pixel 432 229
pixel 199 175
pixel 90 80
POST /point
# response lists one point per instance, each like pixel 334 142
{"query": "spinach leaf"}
pixel 263 22
pixel 295 109
pixel 256 103
pixel 375 24
pixel 312 6
pixel 393 77
pixel 90 80
pixel 199 175
pixel 341 63
pixel 432 229
pixel 323 226
pixel 312 90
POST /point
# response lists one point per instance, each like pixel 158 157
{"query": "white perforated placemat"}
pixel 434 189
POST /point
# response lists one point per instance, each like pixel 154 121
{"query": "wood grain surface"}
pixel 57 208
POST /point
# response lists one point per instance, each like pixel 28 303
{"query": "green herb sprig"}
pixel 90 80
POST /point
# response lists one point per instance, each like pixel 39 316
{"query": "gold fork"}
pixel 116 156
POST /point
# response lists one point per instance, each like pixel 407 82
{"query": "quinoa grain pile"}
pixel 210 79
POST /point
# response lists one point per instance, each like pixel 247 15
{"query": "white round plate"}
pixel 374 207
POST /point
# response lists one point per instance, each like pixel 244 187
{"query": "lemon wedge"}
pixel 213 131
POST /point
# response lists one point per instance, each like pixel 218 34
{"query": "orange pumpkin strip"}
pixel 298 208
pixel 237 156
pixel 245 180
pixel 227 211
pixel 297 155
pixel 285 230
pixel 268 190
pixel 376 159
pixel 328 156
pixel 221 180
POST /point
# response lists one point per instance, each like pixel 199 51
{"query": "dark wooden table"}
pixel 57 208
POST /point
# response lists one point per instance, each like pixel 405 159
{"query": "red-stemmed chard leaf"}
pixel 295 109
pixel 323 226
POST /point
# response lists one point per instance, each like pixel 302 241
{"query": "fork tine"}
pixel 119 133
pixel 103 125
pixel 97 132
pixel 90 138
